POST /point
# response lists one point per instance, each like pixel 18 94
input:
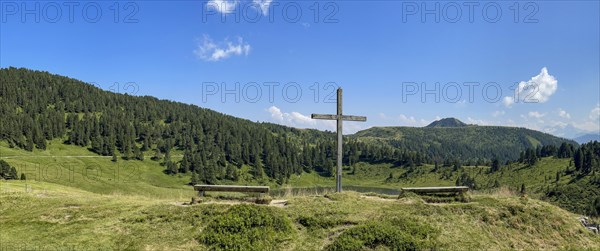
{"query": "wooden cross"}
pixel 339 118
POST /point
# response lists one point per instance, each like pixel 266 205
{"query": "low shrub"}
pixel 393 234
pixel 247 227
pixel 315 222
pixel 438 198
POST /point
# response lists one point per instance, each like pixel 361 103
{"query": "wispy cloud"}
pixel 563 114
pixel 296 119
pixel 403 120
pixel 537 90
pixel 536 114
pixel 407 119
pixel 498 113
pixel 595 113
pixel 478 121
pixel 263 5
pixel 223 6
pixel 209 50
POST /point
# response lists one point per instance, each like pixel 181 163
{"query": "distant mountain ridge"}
pixel 450 138
pixel 587 138
pixel 447 122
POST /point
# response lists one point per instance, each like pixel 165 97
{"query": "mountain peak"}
pixel 447 122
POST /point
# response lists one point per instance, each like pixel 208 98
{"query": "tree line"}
pixel 38 106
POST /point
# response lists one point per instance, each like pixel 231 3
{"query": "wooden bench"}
pixel 225 188
pixel 435 190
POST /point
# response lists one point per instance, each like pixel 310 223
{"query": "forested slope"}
pixel 38 106
pixel 465 143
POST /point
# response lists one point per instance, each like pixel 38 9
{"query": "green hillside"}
pixel 38 108
pixel 466 143
pixel 45 216
pixel 113 171
pixel 80 168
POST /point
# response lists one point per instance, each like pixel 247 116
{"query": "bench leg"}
pixel 201 193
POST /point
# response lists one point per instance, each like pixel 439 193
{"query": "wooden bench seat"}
pixel 227 188
pixel 434 190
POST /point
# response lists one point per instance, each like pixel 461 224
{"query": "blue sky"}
pixel 544 58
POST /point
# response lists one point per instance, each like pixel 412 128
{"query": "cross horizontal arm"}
pixel 335 117
pixel 324 116
pixel 354 118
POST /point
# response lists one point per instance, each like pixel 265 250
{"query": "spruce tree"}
pixel 13 173
pixel 194 179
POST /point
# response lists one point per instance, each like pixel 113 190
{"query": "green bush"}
pixel 321 221
pixel 264 200
pixel 391 233
pixel 247 227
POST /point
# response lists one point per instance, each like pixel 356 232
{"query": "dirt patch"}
pixel 274 203
pixel 278 203
pixel 71 206
pixel 180 204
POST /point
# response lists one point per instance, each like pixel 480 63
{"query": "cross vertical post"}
pixel 338 175
pixel 339 117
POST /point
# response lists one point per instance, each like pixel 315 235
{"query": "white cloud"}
pixel 406 119
pixel 593 123
pixel 291 119
pixel 537 90
pixel 412 121
pixel 478 121
pixel 208 50
pixel 588 126
pixel 263 5
pixel 563 114
pixel 223 6
pixel 536 114
pixel 299 120
pixel 595 113
pixel 508 101
pixel 498 113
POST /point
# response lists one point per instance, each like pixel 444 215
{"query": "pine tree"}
pixel 578 160
pixel 257 170
pixel 13 173
pixel 194 179
pixel 23 176
pixel 139 155
pixel 329 168
pixel 157 155
pixel 230 172
pixel 5 170
pixel 495 165
pixel 170 167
